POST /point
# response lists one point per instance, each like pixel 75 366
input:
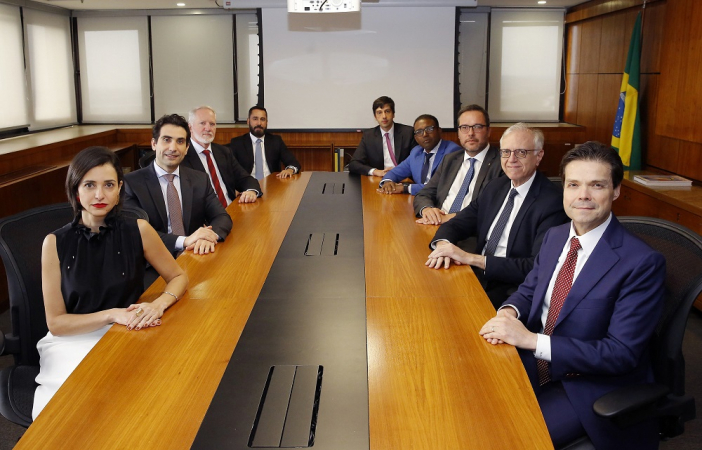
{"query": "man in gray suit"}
pixel 461 176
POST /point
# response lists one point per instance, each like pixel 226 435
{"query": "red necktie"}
pixel 561 288
pixel 390 150
pixel 215 179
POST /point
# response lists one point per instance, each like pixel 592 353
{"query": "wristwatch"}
pixel 405 188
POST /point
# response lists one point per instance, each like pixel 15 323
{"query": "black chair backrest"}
pixel 147 159
pixel 134 212
pixel 682 250
pixel 21 238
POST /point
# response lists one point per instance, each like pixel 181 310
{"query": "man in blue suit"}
pixel 583 318
pixel 423 159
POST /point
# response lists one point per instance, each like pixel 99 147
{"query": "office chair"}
pixel 664 400
pixel 147 158
pixel 21 238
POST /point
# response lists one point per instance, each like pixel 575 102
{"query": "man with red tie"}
pixel 385 146
pixel 583 318
pixel 225 173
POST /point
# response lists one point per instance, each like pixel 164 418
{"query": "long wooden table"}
pixel 433 383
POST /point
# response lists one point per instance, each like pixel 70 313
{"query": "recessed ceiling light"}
pixel 541 2
pixel 183 4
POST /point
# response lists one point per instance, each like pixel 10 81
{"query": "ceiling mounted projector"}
pixel 323 6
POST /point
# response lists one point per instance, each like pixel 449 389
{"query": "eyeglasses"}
pixel 519 153
pixel 476 128
pixel 421 131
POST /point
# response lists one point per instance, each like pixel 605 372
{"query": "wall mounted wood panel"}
pixel 654 23
pixel 681 63
pixel 614 41
pixel 590 46
pixel 573 44
pixel 607 100
pixel 570 102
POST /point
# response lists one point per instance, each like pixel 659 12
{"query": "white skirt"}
pixel 58 358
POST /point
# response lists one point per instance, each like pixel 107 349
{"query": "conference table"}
pixel 432 381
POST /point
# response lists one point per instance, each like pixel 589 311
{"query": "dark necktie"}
pixel 425 168
pixel 561 288
pixel 259 160
pixel 491 245
pixel 390 150
pixel 463 191
pixel 215 179
pixel 175 213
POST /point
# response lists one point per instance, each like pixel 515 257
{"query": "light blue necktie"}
pixel 463 191
pixel 491 245
pixel 259 160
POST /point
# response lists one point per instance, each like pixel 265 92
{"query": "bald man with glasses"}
pixel 509 218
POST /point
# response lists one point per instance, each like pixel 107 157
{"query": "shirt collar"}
pixel 480 157
pixel 523 190
pixel 255 138
pixel 198 148
pixel 160 172
pixel 589 240
pixel 435 149
pixel 391 131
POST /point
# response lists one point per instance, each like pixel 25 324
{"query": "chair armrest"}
pixel 629 399
pixel 2 343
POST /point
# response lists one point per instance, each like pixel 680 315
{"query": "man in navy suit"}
pixel 385 146
pixel 509 218
pixel 180 201
pixel 261 153
pixel 226 174
pixel 422 161
pixel 583 318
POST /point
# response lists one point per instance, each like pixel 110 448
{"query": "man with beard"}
pixel 422 161
pixel 226 174
pixel 261 153
pixel 461 176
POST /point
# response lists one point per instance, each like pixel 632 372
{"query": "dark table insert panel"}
pixel 299 374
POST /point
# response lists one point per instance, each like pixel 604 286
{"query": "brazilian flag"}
pixel 626 136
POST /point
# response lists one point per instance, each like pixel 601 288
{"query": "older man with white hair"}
pixel 509 218
pixel 225 173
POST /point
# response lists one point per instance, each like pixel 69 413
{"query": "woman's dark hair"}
pixel 82 163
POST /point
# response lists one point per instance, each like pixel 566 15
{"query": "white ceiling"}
pixel 200 4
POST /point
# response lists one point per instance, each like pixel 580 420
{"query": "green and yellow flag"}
pixel 626 136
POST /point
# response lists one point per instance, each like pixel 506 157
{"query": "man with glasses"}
pixel 509 218
pixel 461 176
pixel 422 161
pixel 385 146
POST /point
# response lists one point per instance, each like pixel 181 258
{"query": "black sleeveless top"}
pixel 101 270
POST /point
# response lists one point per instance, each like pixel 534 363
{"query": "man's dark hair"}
pixel 474 107
pixel 382 101
pixel 261 108
pixel 428 117
pixel 171 119
pixel 595 151
pixel 82 163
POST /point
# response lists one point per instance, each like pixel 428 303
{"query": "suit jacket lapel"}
pixel 548 258
pixel 270 155
pixel 529 200
pixel 154 187
pixel 484 169
pixel 186 191
pixel 439 156
pixel 601 261
pixel 248 145
pixel 194 160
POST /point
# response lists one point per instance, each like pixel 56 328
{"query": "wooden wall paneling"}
pixel 690 160
pixel 607 100
pixel 614 41
pixel 573 43
pixel 596 8
pixel 590 46
pixel 681 64
pixel 659 151
pixel 587 102
pixel 653 28
pixel 315 158
pixel 570 103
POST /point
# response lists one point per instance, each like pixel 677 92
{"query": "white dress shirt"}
pixel 203 159
pixel 387 160
pixel 266 170
pixel 460 176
